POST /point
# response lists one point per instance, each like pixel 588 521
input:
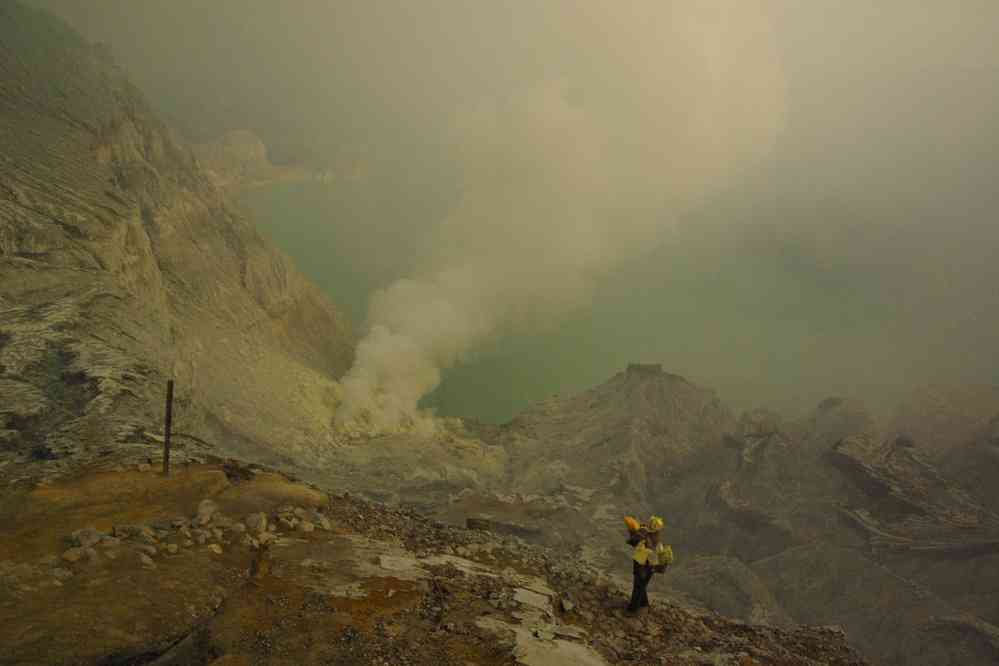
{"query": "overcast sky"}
pixel 855 144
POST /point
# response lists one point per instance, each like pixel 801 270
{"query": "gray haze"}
pixel 534 149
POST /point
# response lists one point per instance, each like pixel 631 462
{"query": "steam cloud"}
pixel 567 177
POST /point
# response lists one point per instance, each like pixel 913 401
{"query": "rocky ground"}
pixel 233 564
pixel 826 520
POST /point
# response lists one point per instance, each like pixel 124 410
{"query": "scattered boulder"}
pixel 206 509
pixel 257 522
pixel 87 537
pixel 74 554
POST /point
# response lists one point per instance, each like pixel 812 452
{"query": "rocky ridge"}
pixel 238 159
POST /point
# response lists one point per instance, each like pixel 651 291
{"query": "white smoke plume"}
pixel 650 106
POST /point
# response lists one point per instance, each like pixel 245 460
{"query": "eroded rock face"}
pixel 941 419
pixel 122 264
pixel 911 507
pixel 239 158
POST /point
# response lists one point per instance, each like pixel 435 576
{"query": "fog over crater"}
pixel 522 164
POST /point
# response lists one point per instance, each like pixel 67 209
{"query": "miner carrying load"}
pixel 650 556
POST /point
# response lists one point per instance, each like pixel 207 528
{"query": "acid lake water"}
pixel 750 324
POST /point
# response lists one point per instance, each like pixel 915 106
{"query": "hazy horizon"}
pixel 779 200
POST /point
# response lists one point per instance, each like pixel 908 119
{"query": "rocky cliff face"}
pixel 121 264
pixel 239 159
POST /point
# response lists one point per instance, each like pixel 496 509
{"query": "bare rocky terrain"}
pixel 830 520
pixel 283 538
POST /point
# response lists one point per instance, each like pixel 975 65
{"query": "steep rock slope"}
pixel 122 264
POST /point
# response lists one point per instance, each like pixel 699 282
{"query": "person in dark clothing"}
pixel 650 556
pixel 641 575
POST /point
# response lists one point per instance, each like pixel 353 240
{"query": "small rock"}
pixel 147 549
pixel 187 543
pixel 301 513
pixel 257 522
pixel 110 542
pixel 87 537
pixel 239 528
pixel 73 555
pixel 184 532
pixel 324 523
pixel 220 520
pixel 206 509
pixel 215 548
pixel 544 633
pixel 172 548
pixel 146 534
pixel 144 467
pixel 217 533
pixel 111 554
pixel 147 561
pixel 288 522
pixel 306 526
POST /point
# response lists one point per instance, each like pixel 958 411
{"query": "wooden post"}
pixel 166 429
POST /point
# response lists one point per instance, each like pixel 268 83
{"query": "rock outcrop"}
pixel 239 159
pixel 122 264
